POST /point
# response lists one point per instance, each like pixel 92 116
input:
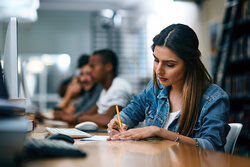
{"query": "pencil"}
pixel 119 118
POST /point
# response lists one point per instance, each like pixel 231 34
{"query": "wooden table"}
pixel 151 153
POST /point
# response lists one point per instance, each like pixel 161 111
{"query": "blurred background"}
pixel 52 34
pixel 52 30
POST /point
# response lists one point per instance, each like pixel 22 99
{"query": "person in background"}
pixel 181 103
pixel 70 92
pixel 116 91
pixel 80 86
pixel 63 87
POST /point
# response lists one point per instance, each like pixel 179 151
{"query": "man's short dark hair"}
pixel 83 60
pixel 108 56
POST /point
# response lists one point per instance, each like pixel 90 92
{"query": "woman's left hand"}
pixel 137 133
pixel 70 118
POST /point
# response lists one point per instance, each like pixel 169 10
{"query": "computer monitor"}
pixel 22 78
pixel 3 90
pixel 10 59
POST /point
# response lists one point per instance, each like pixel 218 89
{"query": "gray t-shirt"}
pixel 88 100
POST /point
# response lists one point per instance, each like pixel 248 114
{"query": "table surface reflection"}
pixel 149 153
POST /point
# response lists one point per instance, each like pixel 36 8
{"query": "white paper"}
pixel 55 122
pixel 49 114
pixel 95 138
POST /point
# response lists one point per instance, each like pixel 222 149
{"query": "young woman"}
pixel 180 103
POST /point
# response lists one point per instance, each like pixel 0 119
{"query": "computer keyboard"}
pixel 45 148
pixel 72 132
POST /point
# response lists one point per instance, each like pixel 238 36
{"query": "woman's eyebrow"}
pixel 155 56
pixel 166 61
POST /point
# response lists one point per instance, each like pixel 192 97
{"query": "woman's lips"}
pixel 162 79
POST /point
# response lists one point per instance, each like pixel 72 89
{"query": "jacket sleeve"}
pixel 214 127
pixel 135 111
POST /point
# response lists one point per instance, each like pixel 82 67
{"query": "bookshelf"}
pixel 233 66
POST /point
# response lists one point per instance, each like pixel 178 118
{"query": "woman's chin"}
pixel 164 83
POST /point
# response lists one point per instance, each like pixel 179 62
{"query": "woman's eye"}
pixel 170 65
pixel 156 60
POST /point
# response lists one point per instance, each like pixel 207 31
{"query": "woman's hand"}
pixel 57 114
pixel 114 128
pixel 70 118
pixel 69 109
pixel 74 88
pixel 136 134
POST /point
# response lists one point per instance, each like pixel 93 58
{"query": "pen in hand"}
pixel 119 118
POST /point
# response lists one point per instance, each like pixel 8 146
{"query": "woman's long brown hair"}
pixel 183 41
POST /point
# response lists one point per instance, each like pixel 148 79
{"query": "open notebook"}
pixel 95 138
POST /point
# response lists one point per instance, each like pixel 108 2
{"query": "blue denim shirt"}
pixel 211 128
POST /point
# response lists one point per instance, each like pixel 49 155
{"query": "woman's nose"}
pixel 159 69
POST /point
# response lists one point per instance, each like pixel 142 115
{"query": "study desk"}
pixel 150 153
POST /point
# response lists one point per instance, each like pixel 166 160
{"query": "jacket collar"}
pixel 164 92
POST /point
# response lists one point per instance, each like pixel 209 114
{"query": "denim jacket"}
pixel 211 127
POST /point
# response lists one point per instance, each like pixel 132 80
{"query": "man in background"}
pixel 116 91
pixel 81 93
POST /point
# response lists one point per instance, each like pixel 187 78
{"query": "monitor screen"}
pixel 3 89
pixel 10 59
